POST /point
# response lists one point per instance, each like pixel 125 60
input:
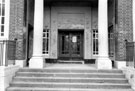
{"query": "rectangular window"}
pixel 2 18
pixel 111 41
pixel 95 42
pixel 46 41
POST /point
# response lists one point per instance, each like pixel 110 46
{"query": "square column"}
pixel 103 61
pixel 37 60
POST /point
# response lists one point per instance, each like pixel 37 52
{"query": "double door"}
pixel 71 45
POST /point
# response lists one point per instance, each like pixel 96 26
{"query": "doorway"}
pixel 71 45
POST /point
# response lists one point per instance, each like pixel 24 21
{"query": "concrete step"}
pixel 61 89
pixel 83 75
pixel 71 62
pixel 70 80
pixel 56 70
pixel 70 85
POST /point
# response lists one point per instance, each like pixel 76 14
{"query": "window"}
pixel 111 42
pixel 2 18
pixel 45 41
pixel 95 42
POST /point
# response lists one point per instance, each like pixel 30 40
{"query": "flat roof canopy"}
pixel 70 0
pixel 76 2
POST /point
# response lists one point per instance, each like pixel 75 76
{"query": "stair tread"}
pixel 25 68
pixel 64 83
pixel 56 79
pixel 70 69
pixel 69 73
pixel 61 89
pixel 70 78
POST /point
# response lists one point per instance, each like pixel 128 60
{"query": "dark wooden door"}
pixel 71 45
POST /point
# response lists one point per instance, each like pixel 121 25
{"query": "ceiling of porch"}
pixel 70 0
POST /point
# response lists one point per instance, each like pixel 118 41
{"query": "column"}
pixel 133 10
pixel 103 61
pixel 37 60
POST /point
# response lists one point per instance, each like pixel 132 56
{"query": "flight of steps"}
pixel 56 79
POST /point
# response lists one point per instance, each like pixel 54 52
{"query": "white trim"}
pixel 7 18
pixel 6 21
pixel 133 12
pixel 4 54
pixel 46 56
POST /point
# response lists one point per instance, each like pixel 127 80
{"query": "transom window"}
pixel 95 42
pixel 2 18
pixel 46 41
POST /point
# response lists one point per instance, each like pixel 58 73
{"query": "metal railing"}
pixel 7 52
pixel 130 54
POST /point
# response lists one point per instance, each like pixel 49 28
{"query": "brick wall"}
pixel 123 27
pixel 16 26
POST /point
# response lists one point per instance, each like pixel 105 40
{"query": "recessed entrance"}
pixel 70 45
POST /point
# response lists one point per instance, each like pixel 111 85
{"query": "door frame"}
pixel 81 31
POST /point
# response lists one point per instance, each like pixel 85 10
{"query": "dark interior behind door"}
pixel 70 45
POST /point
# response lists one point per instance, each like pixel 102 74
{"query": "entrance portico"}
pixel 80 18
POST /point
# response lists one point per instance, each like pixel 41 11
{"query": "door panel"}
pixel 64 45
pixel 71 45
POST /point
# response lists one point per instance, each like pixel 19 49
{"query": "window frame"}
pixel 46 36
pixel 6 19
pixel 95 49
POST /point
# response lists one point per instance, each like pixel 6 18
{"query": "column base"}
pixel 21 63
pixel 120 64
pixel 104 63
pixel 36 62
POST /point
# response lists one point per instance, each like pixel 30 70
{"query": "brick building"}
pixel 59 30
pixel 35 35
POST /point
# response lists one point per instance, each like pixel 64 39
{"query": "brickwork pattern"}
pixel 124 28
pixel 16 26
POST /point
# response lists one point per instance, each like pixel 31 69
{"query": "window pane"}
pixel 43 34
pixel 2 28
pixel 0 9
pixel 43 44
pixel 95 42
pixel 45 41
pixel 2 17
pixel 2 34
pixel 3 9
pixel 2 20
pixel 48 35
pixel 3 1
